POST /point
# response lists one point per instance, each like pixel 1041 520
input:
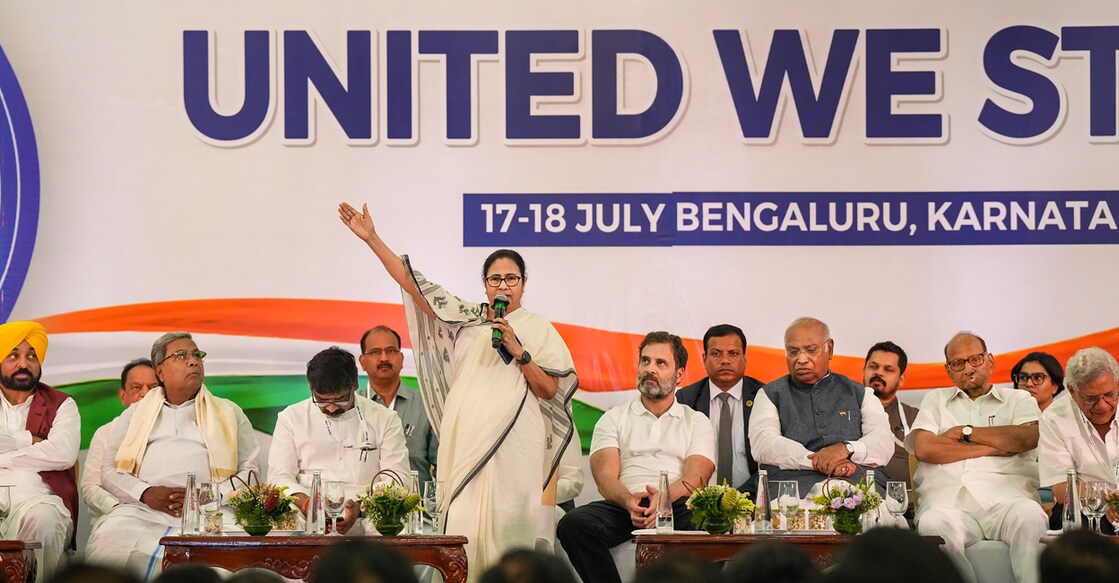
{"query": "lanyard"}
pixel 366 445
pixel 1093 436
pixel 904 426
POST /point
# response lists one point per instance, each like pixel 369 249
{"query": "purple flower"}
pixel 850 503
pixel 836 503
pixel 858 498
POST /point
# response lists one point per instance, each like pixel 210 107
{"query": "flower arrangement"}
pixel 387 504
pixel 846 502
pixel 1112 500
pixel 261 507
pixel 715 508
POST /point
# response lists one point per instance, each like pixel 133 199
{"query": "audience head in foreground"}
pixel 361 561
pixel 1081 556
pixel 681 568
pixel 771 562
pixel 889 555
pixel 528 566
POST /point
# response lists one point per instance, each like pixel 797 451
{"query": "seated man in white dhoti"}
pixel 40 432
pixel 176 428
pixel 343 435
pixel 136 379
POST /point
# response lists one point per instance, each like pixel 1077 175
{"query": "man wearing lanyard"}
pixel 884 372
pixel 1080 433
pixel 382 360
pixel 337 432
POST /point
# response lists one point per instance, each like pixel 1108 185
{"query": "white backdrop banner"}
pixel 899 171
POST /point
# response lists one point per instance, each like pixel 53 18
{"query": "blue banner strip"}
pixel 790 218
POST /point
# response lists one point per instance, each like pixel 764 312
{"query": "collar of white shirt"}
pixel 735 392
pixel 994 393
pixel 638 408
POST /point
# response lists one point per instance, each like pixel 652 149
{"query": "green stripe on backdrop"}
pixel 262 397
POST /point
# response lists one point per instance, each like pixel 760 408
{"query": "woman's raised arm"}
pixel 362 225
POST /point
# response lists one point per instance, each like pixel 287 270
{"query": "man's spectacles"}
pixel 377 352
pixel 182 355
pixel 342 403
pixel 810 352
pixel 510 280
pixel 974 360
pixel 1037 378
pixel 1111 398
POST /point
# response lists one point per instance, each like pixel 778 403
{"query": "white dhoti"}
pixel 44 519
pixel 128 538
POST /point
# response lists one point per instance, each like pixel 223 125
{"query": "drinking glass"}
pixel 435 495
pixel 897 499
pixel 1095 503
pixel 788 501
pixel 209 498
pixel 5 503
pixel 209 502
pixel 334 499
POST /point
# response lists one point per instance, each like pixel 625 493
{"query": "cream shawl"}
pixel 216 421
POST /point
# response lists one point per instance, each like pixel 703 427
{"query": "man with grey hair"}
pixel 977 475
pixel 1080 432
pixel 176 428
pixel 813 423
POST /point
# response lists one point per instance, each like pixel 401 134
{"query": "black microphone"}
pixel 500 302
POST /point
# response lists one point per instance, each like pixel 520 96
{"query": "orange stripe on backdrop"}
pixel 606 360
pixel 296 319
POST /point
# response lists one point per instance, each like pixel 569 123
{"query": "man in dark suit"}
pixel 724 357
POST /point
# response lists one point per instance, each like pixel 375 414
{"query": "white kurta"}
pixel 97 499
pixel 306 440
pixel 1068 441
pixel 989 497
pixel 128 537
pixel 36 512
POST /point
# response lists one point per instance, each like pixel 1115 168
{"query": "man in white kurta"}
pixel 976 475
pixel 137 378
pixel 177 428
pixel 1081 432
pixel 345 436
pixel 31 460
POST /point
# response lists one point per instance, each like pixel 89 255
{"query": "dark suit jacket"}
pixel 698 397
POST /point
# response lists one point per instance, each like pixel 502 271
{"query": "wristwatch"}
pixel 850 449
pixel 967 433
pixel 525 358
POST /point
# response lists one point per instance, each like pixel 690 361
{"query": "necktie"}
pixel 726 448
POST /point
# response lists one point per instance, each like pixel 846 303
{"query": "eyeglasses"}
pixel 377 352
pixel 974 360
pixel 510 280
pixel 1111 398
pixel 336 402
pixel 810 352
pixel 182 355
pixel 1037 378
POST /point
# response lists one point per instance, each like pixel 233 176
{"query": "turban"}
pixel 12 333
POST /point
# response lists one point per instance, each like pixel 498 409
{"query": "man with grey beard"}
pixel 632 444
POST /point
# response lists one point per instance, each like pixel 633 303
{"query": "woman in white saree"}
pixel 496 412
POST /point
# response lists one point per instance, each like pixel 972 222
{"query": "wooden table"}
pixel 17 559
pixel 295 557
pixel 824 549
